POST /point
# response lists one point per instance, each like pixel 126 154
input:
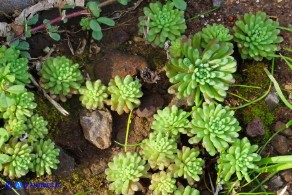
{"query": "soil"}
pixel 88 176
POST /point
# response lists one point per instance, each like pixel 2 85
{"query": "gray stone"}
pixel 272 100
pixel 280 143
pixel 97 127
pixel 13 5
pixel 66 165
pixel 255 128
pixel 275 182
pixel 149 105
pixel 280 125
pixel 217 2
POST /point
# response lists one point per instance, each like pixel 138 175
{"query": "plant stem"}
pixel 204 13
pixel 127 131
pixel 246 86
pixel 58 19
pixel 4 182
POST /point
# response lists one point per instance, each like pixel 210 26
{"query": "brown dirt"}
pixel 67 132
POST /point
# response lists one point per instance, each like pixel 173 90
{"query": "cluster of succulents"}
pixel 23 130
pixel 207 71
pixel 257 36
pixel 162 183
pixel 215 31
pixel 186 191
pixel 125 172
pixel 162 23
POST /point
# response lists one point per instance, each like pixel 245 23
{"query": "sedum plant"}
pixel 162 23
pixel 125 94
pixel 61 77
pixel 171 120
pixel 159 149
pixel 37 126
pixel 16 158
pixel 8 54
pixel 215 31
pixel 187 165
pixel 240 158
pixel 45 157
pixel 201 71
pixel 22 107
pixel 186 191
pixel 215 126
pixel 15 127
pixel 93 95
pixel 162 183
pixel 257 36
pixel 125 172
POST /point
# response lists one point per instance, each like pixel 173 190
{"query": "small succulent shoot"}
pixel 162 183
pixel 93 95
pixel 17 66
pixel 16 158
pixel 257 36
pixel 37 126
pixel 186 191
pixel 201 71
pixel 175 48
pixel 187 164
pixel 171 120
pixel 4 136
pixel 45 157
pixel 215 31
pixel 162 23
pixel 21 109
pixel 240 158
pixel 159 149
pixel 125 172
pixel 215 125
pixel 94 21
pixel 61 77
pixel 125 94
pixel 15 127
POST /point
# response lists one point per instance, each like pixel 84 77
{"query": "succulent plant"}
pixel 9 57
pixel 215 125
pixel 125 172
pixel 162 23
pixel 187 165
pixel 197 71
pixel 45 157
pixel 216 31
pixel 15 127
pixel 16 158
pixel 257 36
pixel 61 77
pixel 22 108
pixel 171 120
pixel 159 149
pixel 125 94
pixel 186 191
pixel 175 48
pixel 4 136
pixel 240 159
pixel 93 95
pixel 37 126
pixel 85 23
pixel 162 183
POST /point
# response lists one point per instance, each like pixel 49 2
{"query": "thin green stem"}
pixel 264 181
pixel 4 182
pixel 260 193
pixel 285 28
pixel 246 86
pixel 204 13
pixel 240 97
pixel 287 49
pixel 127 131
pixel 131 145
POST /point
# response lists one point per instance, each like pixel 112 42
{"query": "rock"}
pixel 255 128
pixel 217 2
pixel 66 165
pixel 149 105
pixel 275 182
pixel 280 125
pixel 272 100
pixel 13 5
pixel 97 127
pixel 280 144
pixel 287 175
pixel 115 37
pixel 178 102
pixel 117 63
